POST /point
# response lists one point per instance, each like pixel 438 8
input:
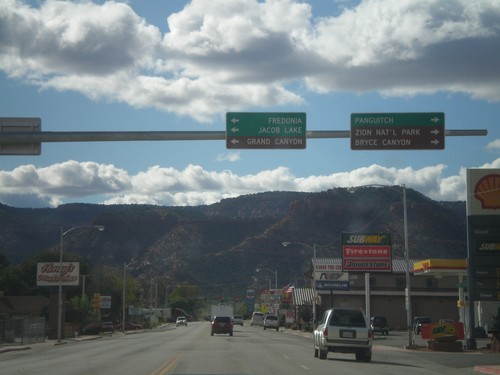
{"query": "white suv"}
pixel 344 331
pixel 271 321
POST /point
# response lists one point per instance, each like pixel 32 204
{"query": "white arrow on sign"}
pixel 435 132
pixel 234 141
pixel 234 130
pixel 435 120
pixel 435 142
pixel 234 120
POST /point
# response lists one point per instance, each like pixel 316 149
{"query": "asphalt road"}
pixel 191 350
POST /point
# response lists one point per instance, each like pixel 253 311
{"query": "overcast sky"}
pixel 181 65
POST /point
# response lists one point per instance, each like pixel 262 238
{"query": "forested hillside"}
pixel 224 247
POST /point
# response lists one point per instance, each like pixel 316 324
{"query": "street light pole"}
pixel 402 194
pixel 61 247
pixel 314 284
pixel 407 272
pixel 123 298
pixel 275 281
pixel 313 248
pixel 125 265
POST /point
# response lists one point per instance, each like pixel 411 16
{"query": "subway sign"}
pixel 366 252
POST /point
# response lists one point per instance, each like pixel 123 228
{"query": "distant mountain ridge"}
pixel 221 246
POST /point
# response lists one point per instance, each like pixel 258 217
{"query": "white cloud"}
pixel 27 186
pixel 494 145
pixel 231 156
pixel 224 55
pixel 49 186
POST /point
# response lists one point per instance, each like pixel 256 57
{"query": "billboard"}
pixel 366 252
pixel 47 273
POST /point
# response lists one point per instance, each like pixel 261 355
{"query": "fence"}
pixel 22 330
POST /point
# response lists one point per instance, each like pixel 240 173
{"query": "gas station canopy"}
pixel 441 267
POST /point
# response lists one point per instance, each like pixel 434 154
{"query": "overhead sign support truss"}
pixel 16 139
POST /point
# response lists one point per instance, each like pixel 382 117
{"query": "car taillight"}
pixel 325 332
pixel 370 333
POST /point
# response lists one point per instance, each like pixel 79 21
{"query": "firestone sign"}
pixel 47 273
pixel 366 252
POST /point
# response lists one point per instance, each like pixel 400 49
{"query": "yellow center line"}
pixel 168 366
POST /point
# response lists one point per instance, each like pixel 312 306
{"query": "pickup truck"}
pixel 343 330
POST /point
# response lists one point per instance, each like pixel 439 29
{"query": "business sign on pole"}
pixel 366 252
pixel 105 302
pixel 483 225
pixel 265 130
pixel 397 131
pixel 47 273
pixel 329 276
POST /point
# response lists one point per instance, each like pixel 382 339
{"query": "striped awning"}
pixel 303 296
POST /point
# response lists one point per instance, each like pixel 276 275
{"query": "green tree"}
pixel 185 297
pixel 108 281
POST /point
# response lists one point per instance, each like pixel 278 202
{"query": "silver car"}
pixel 343 330
pixel 181 321
pixel 271 321
pixel 237 319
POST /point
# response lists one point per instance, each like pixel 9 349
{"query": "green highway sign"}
pixel 265 130
pixel 397 131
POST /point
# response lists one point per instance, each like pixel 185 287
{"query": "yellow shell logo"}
pixel 487 191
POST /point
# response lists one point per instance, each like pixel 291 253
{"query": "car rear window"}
pixel 271 317
pixel 347 318
pixel 222 319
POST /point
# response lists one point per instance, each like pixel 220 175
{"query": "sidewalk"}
pixel 12 347
pixel 53 342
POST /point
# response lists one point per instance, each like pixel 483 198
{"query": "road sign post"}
pixel 397 131
pixel 265 130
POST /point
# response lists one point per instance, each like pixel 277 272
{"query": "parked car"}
pixel 379 324
pixel 257 319
pixel 107 327
pixel 418 321
pixel 237 319
pixel 343 330
pixel 129 326
pixel 271 321
pixel 222 324
pixel 181 321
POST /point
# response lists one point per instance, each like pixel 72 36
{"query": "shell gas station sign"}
pixel 483 226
